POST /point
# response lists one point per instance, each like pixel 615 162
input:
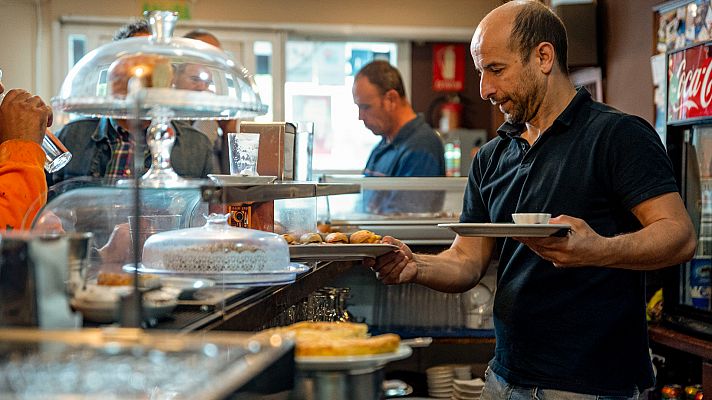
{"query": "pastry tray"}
pixel 338 252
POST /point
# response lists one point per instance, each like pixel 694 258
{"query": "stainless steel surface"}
pixel 399 183
pixel 258 193
pixel 131 364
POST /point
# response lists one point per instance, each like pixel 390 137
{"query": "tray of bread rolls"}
pixel 315 246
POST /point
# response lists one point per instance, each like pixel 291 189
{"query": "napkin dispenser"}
pixel 276 151
pixel 37 275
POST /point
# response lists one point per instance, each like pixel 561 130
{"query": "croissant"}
pixel 311 237
pixel 290 239
pixel 364 236
pixel 337 237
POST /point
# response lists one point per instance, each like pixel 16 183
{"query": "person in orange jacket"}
pixel 23 188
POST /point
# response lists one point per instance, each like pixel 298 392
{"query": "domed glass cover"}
pixel 215 248
pixel 133 77
pixel 159 78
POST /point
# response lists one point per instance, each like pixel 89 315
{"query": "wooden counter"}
pixel 689 344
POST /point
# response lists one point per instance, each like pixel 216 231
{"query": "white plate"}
pixel 233 278
pixel 241 180
pixel 329 252
pixel 347 363
pixel 508 229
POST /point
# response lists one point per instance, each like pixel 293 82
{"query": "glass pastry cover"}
pixel 216 247
pixel 132 77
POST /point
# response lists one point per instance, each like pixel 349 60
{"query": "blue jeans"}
pixel 496 388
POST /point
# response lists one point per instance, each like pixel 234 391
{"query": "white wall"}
pixel 18 39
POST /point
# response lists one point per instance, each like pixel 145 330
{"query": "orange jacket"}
pixel 23 189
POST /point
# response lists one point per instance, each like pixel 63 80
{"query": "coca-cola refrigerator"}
pixel 686 288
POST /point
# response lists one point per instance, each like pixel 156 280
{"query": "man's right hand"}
pixel 394 267
pixel 24 116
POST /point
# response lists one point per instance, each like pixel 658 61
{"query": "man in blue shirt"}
pixel 569 312
pixel 409 147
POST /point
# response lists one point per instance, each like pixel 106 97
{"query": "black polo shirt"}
pixel 573 329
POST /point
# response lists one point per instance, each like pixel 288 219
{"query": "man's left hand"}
pixel 581 246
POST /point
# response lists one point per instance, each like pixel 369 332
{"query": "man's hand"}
pixel 581 247
pixel 24 116
pixel 395 267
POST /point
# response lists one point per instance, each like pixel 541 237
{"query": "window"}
pixel 263 77
pixel 77 48
pixel 319 76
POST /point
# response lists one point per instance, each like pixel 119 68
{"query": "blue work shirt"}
pixel 415 151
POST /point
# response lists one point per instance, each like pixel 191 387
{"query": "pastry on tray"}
pixel 338 339
pixel 311 238
pixel 364 236
pixel 290 239
pixel 337 237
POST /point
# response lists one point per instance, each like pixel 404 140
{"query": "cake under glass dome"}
pixel 214 249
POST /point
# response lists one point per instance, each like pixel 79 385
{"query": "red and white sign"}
pixel 690 83
pixel 448 67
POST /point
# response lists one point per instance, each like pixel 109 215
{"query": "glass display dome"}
pixel 106 211
pixel 134 77
pixel 159 78
pixel 215 248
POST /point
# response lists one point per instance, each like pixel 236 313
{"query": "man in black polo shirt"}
pixel 569 311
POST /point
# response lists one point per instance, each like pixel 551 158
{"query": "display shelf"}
pixel 252 309
pixel 275 191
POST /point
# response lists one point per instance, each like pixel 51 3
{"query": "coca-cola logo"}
pixel 691 88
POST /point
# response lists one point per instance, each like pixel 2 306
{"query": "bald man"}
pixel 569 311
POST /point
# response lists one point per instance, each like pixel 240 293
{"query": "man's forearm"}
pixel 447 271
pixel 661 244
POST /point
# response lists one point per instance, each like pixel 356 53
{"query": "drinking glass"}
pixel 243 149
pixel 56 154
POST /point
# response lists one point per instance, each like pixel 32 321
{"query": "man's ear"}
pixel 391 98
pixel 545 57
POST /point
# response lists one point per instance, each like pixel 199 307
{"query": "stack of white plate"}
pixel 440 381
pixel 467 389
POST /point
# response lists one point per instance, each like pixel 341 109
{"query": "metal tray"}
pixel 340 252
pixel 508 229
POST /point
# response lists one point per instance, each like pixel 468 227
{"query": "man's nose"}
pixel 360 115
pixel 487 90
